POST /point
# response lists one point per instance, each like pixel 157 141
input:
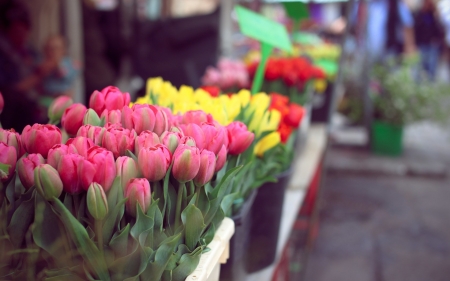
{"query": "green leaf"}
pixel 4 168
pixel 113 220
pixel 167 199
pixel 227 202
pixel 66 277
pixel 175 258
pixel 85 246
pixel 208 236
pixel 143 223
pixel 115 194
pixel 155 213
pixel 132 155
pixel 171 206
pixel 192 219
pixel 119 242
pixel 188 263
pixel 20 222
pixel 203 202
pixel 130 266
pixel 218 218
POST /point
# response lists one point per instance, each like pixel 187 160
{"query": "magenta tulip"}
pixel 72 118
pixel 110 98
pixel 12 138
pixel 58 107
pixel 196 132
pixel 80 145
pixel 105 166
pixel 171 140
pixel 8 156
pixel 186 163
pixel 140 118
pixel 127 169
pixel 56 152
pixel 138 192
pixel 112 116
pixel 94 133
pixel 207 168
pixel 119 141
pixel 145 139
pixel 214 136
pixel 76 173
pixel 26 166
pixel 240 138
pixel 40 138
pixel 221 158
pixel 154 162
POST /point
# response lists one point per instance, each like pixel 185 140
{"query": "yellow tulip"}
pixel 267 143
pixel 244 97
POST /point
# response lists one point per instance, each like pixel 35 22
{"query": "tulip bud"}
pixel 119 141
pixel 161 120
pixel 40 138
pixel 96 201
pixel 140 118
pixel 76 173
pixel 112 116
pixel 127 169
pixel 176 130
pixel 138 192
pixel 221 159
pixel 104 164
pixel 188 141
pixel 12 138
pixel 72 118
pixel 55 154
pixel 57 108
pixel 154 162
pixel 110 98
pixel 196 132
pixel 94 133
pixel 186 163
pixel 91 118
pixel 171 140
pixel 80 145
pixel 145 139
pixel 26 166
pixel 215 136
pixel 239 138
pixel 47 181
pixel 196 116
pixel 207 168
pixel 8 156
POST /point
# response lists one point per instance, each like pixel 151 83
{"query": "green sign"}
pixel 270 33
pixel 296 10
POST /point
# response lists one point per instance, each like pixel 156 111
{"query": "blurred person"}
pixel 428 34
pixel 20 75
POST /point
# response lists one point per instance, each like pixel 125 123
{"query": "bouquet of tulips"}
pixel 240 113
pixel 130 196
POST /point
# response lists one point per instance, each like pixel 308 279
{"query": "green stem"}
pixel 197 191
pixel 191 187
pixel 99 234
pixel 181 189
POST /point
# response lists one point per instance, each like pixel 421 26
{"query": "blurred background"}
pixel 380 210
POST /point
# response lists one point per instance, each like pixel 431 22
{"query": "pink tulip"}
pixel 40 138
pixel 127 169
pixel 138 192
pixel 140 118
pixel 169 115
pixel 187 141
pixel 26 166
pixel 197 117
pixel 145 139
pixel 48 182
pixel 110 98
pixel 221 158
pixel 186 163
pixel 104 164
pixel 196 132
pixel 154 162
pixel 119 141
pixel 112 116
pixel 56 152
pixel 215 137
pixel 240 138
pixel 161 120
pixel 171 140
pixel 80 145
pixel 76 172
pixel 12 138
pixel 93 133
pixel 58 107
pixel 212 77
pixel 207 168
pixel 8 156
pixel 72 118
pixel 113 126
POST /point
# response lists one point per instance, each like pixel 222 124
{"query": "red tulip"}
pixel 110 98
pixel 212 90
pixel 8 156
pixel 119 141
pixel 140 118
pixel 127 169
pixel 138 192
pixel 56 152
pixel 197 117
pixel 295 115
pixel 72 118
pixel 80 145
pixel 76 172
pixel 12 138
pixel 221 159
pixel 104 164
pixel 196 132
pixel 40 138
pixel 207 168
pixel 240 138
pixel 58 107
pixel 171 140
pixel 26 166
pixel 145 139
pixel 154 162
pixel 215 136
pixel 112 116
pixel 94 133
pixel 186 163
pixel 285 132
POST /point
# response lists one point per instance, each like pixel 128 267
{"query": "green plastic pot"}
pixel 387 139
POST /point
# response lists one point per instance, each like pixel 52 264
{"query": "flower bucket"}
pixel 235 269
pixel 266 215
pixel 387 139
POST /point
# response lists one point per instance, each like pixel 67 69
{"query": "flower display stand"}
pixel 209 267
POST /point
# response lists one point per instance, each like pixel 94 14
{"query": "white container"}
pixel 209 267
